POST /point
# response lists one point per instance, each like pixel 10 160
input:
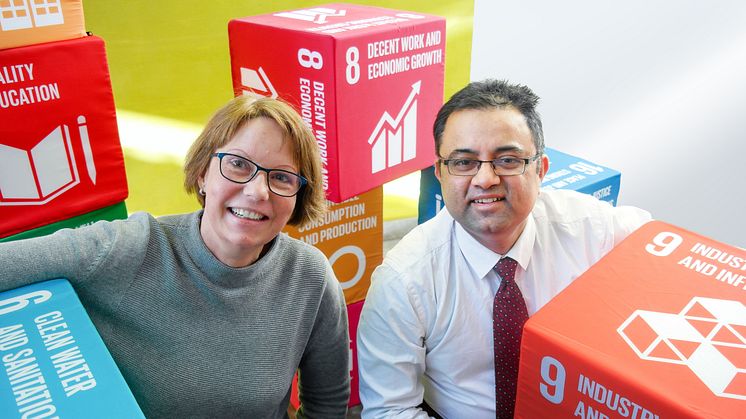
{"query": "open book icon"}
pixel 44 172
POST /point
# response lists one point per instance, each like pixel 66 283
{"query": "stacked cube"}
pixel 656 328
pixel 61 164
pixel 368 81
pixel 55 363
pixel 28 22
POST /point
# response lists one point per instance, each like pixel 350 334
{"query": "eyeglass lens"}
pixel 503 166
pixel 241 170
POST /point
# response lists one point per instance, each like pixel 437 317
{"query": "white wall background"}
pixel 654 89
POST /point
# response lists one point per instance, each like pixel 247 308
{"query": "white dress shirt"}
pixel 426 326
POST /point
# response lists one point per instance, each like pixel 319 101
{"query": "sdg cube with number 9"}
pixel 367 80
pixel 655 329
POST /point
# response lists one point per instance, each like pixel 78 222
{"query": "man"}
pixel 433 335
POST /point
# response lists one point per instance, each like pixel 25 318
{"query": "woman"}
pixel 210 314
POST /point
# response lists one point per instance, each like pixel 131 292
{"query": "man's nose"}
pixel 485 176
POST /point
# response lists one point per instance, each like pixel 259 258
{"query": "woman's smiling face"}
pixel 240 219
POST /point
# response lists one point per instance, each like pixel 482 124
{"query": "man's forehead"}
pixel 490 118
pixel 504 109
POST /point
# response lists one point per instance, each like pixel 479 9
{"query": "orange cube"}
pixel 351 236
pixel 657 328
pixel 28 22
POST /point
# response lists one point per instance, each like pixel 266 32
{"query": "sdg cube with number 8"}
pixel 367 80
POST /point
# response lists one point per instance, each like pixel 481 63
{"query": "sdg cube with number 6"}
pixel 655 329
pixel 367 80
pixel 55 363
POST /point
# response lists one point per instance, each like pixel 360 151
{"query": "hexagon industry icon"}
pixel 708 336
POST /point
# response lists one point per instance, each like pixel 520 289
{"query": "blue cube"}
pixel 54 361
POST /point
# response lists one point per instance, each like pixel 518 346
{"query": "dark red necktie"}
pixel 509 315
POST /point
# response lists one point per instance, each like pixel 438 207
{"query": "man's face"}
pixel 493 209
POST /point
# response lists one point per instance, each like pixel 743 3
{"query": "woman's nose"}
pixel 257 187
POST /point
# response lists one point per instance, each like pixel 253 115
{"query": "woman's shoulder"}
pixel 134 228
pixel 140 229
pixel 298 249
pixel 174 221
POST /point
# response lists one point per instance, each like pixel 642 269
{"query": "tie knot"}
pixel 506 267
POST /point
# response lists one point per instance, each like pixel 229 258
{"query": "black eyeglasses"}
pixel 501 166
pixel 241 170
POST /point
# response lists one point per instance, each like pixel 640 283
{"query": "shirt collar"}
pixel 482 259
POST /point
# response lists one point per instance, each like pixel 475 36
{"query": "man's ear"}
pixel 437 168
pixel 544 166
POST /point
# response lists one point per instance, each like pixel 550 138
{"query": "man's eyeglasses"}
pixel 241 170
pixel 502 166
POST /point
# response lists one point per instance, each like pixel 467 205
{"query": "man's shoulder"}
pixel 424 243
pixel 573 214
pixel 567 205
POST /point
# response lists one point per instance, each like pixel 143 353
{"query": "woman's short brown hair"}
pixel 220 129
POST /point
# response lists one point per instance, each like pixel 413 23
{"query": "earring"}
pixel 201 191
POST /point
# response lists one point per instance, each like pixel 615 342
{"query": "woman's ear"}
pixel 201 185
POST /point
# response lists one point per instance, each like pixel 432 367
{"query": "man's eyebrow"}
pixel 462 151
pixel 498 150
pixel 507 148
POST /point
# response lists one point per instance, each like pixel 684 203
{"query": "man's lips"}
pixel 487 200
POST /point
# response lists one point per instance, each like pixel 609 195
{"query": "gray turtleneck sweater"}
pixel 192 336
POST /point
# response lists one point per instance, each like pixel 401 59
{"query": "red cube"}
pixel 60 155
pixel 367 80
pixel 353 315
pixel 657 328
